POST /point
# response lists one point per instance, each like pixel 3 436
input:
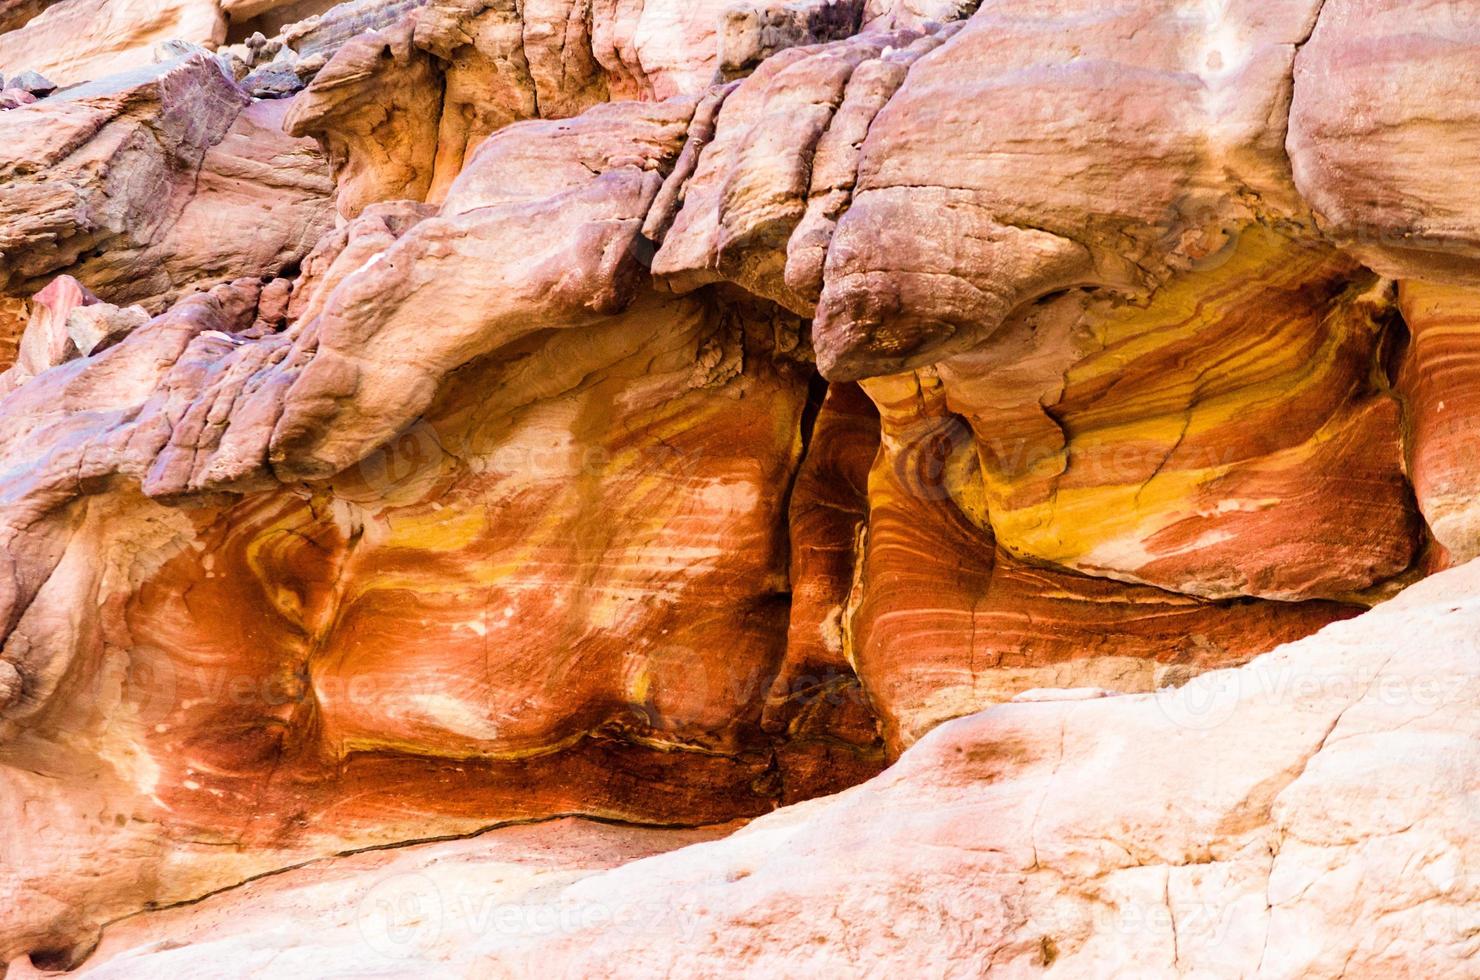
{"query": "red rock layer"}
pixel 489 608
pixel 469 522
pixel 816 704
pixel 1234 436
pixel 15 13
pixel 1441 382
pixel 541 566
pixel 369 106
pixel 946 623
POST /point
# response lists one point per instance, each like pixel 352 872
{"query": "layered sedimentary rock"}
pixel 749 188
pixel 1247 402
pixel 1384 118
pixel 243 12
pixel 944 621
pixel 1439 379
pixel 817 704
pixel 1306 815
pixel 893 14
pixel 460 887
pixel 151 182
pixel 1245 824
pixel 469 69
pixel 1198 236
pixel 80 40
pixel 536 481
pixel 266 688
pixel 939 246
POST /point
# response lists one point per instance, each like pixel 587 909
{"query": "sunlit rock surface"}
pixel 148 184
pixel 440 415
pixel 1384 118
pixel 79 40
pixel 1310 814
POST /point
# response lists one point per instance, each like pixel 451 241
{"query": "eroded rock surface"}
pixel 81 40
pixel 154 182
pixel 1310 814
pixel 668 412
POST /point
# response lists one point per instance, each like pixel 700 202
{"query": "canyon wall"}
pixel 628 418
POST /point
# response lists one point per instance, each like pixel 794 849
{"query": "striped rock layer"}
pixel 665 437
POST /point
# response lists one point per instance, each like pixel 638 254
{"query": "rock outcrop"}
pixel 154 182
pixel 82 40
pixel 1440 375
pixel 449 414
pixel 1310 814
pixel 15 14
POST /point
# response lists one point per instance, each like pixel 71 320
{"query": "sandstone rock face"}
pixel 1379 86
pixel 1439 379
pixel 1247 403
pixel 1308 814
pixel 369 107
pixel 14 14
pixel 631 577
pixel 67 322
pixel 946 622
pixel 240 11
pixel 937 248
pixel 488 877
pixel 445 414
pixel 154 181
pixel 15 313
pixel 470 68
pixel 81 40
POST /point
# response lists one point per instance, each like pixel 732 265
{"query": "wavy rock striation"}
pixel 1306 815
pixel 668 412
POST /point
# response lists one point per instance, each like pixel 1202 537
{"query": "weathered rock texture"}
pixel 1311 814
pixel 80 40
pixel 1439 377
pixel 15 14
pixel 154 182
pixel 466 69
pixel 450 414
pixel 1383 93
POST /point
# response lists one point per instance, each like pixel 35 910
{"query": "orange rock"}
pixel 1243 825
pixel 944 622
pixel 557 582
pixel 1439 380
pixel 520 493
pixel 15 313
pixel 15 13
pixel 828 732
pixel 375 108
pixel 1221 440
